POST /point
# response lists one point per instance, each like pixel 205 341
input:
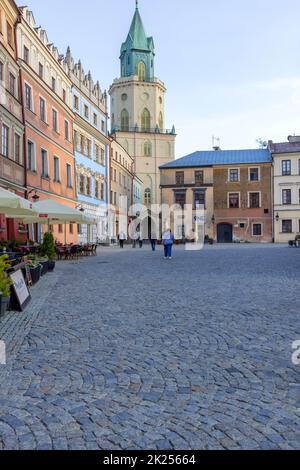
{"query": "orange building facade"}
pixel 46 93
pixel 12 170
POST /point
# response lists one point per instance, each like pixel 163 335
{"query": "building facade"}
pixel 138 111
pixel 286 187
pixel 183 184
pixel 235 187
pixel 91 149
pixel 121 188
pixel 12 171
pixel 47 99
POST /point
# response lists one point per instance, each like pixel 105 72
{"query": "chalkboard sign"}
pixel 20 293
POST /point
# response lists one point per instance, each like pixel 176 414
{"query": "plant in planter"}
pixel 35 269
pixel 48 249
pixel 5 284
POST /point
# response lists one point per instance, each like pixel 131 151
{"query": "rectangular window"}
pixel 28 97
pixel 102 158
pixel 56 170
pixel 287 226
pixel 66 130
pixel 179 177
pixel 9 34
pixel 60 228
pixel 254 174
pixel 81 184
pixel 97 153
pixel 41 71
pixel 5 140
pixel 31 156
pixel 71 229
pixel 69 176
pixel 89 147
pixel 64 95
pixel 95 119
pixel 286 167
pixel 26 55
pixel 286 196
pixel 1 72
pixel 234 175
pixel 79 229
pixel 17 148
pixel 199 177
pixel 254 200
pixel 256 230
pixel 86 111
pixel 54 120
pixel 97 189
pixel 199 199
pixel 102 192
pixel 53 83
pixel 76 103
pixel 45 166
pixel 12 84
pixel 42 109
pixel 103 126
pixel 234 200
pixel 82 144
pixel 180 199
pixel 88 186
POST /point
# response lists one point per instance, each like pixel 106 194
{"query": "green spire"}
pixel 137 48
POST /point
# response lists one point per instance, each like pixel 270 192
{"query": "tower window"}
pixel 146 120
pixel 147 149
pixel 148 196
pixel 160 122
pixel 141 71
pixel 124 120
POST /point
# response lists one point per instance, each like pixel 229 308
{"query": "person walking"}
pixel 153 240
pixel 140 239
pixel 122 238
pixel 168 242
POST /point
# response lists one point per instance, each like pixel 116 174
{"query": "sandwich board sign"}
pixel 20 290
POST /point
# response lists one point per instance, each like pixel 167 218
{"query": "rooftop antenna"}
pixel 216 142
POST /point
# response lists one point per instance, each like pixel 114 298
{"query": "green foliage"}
pixel 5 281
pixel 48 247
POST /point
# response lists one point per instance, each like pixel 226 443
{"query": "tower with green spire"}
pixel 137 52
pixel 138 111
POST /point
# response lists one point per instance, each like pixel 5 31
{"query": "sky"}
pixel 231 68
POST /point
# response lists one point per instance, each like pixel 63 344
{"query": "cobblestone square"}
pixel 127 350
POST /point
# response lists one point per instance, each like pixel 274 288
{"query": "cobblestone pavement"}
pixel 129 351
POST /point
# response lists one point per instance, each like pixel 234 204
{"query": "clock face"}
pixel 124 97
pixel 145 96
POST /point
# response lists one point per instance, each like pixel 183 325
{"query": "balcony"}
pixel 141 130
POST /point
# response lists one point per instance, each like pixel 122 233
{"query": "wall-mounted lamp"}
pixel 277 217
pixel 213 219
pixel 35 197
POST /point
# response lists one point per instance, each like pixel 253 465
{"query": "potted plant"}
pixel 35 269
pixel 48 250
pixel 5 284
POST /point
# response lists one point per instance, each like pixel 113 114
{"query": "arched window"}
pixel 161 122
pixel 124 120
pixel 147 149
pixel 141 71
pixel 147 196
pixel 146 120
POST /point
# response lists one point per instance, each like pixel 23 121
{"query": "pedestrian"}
pixel 153 240
pixel 122 238
pixel 168 242
pixel 140 241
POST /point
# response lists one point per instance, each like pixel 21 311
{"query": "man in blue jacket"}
pixel 168 242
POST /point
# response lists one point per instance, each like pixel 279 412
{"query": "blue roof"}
pixel 221 157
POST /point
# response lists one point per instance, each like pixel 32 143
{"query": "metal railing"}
pixel 149 130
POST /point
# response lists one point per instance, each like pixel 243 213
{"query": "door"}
pixel 224 233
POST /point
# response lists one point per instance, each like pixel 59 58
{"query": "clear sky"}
pixel 231 67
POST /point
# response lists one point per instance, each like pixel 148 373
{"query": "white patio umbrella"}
pixel 51 212
pixel 13 205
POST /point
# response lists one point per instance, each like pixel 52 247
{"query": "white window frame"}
pixel 233 192
pixel 68 165
pixel 254 192
pixel 5 124
pixel 34 156
pixel 253 168
pixel 20 149
pixel 32 97
pixel 239 174
pixel 262 229
pixel 48 171
pixel 69 127
pixel 57 113
pixel 282 203
pixel 56 180
pixel 43 98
